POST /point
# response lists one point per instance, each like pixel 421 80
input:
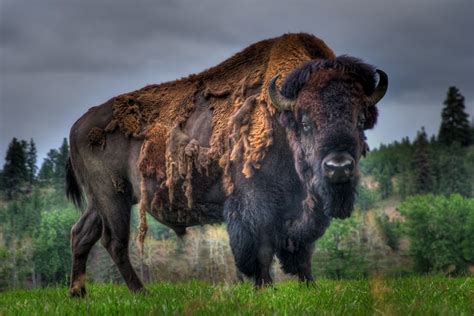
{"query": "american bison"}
pixel 267 141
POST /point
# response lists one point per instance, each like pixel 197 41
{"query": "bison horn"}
pixel 380 89
pixel 279 101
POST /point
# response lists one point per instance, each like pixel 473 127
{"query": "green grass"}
pixel 402 296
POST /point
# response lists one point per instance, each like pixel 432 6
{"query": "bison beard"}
pixel 337 200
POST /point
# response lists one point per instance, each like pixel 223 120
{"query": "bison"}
pixel 267 141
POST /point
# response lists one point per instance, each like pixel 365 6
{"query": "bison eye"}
pixel 306 127
pixel 306 124
pixel 361 121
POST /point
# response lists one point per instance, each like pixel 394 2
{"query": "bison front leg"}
pixel 296 260
pixel 264 261
pixel 304 267
pixel 250 240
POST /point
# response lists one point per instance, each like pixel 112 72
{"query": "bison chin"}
pixel 337 200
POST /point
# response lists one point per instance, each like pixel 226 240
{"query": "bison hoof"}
pixel 263 284
pixel 141 291
pixel 308 282
pixel 77 292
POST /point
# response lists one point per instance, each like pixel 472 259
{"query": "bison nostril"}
pixel 338 167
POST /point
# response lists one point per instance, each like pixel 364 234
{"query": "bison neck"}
pixel 309 224
pixel 305 219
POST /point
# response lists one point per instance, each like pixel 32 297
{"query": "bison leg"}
pixel 84 234
pixel 264 262
pixel 252 248
pixel 115 237
pixel 298 261
pixel 304 267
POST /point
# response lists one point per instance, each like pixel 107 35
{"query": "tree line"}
pixel 441 164
pixel 20 172
pixel 34 215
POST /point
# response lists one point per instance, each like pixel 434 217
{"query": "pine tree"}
pixel 453 172
pixel 15 172
pixel 46 172
pixel 53 169
pixel 60 165
pixel 31 156
pixel 405 183
pixel 384 179
pixel 424 182
pixel 454 120
pixel 472 130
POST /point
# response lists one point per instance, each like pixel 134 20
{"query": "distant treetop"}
pixel 454 120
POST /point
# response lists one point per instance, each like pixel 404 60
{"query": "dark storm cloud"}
pixel 60 57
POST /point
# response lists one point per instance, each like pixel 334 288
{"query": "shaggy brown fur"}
pixel 96 137
pixel 241 126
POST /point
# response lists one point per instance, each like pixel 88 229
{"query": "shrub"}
pixel 52 247
pixel 391 230
pixel 340 253
pixel 366 198
pixel 441 232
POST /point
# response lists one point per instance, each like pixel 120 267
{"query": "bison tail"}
pixel 73 190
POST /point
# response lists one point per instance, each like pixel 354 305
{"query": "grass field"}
pixel 403 296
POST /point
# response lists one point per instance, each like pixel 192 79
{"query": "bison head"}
pixel 325 107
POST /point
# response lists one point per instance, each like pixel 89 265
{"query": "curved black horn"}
pixel 380 89
pixel 279 101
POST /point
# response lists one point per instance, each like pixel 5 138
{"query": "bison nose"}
pixel 338 168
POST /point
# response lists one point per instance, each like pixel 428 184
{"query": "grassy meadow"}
pixel 374 296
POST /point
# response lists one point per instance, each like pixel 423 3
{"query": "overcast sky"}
pixel 60 57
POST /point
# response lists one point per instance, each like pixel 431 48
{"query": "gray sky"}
pixel 60 57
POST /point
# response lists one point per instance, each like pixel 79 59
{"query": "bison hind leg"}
pixel 84 234
pixel 115 214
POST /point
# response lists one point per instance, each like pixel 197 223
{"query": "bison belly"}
pixel 189 190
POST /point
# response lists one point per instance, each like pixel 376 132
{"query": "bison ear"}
pixel 371 115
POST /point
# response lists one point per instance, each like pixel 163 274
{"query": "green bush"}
pixel 453 171
pixel 5 266
pixel 340 253
pixel 52 246
pixel 391 230
pixel 441 232
pixel 366 198
pixel 468 242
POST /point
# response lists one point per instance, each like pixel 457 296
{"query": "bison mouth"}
pixel 336 199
